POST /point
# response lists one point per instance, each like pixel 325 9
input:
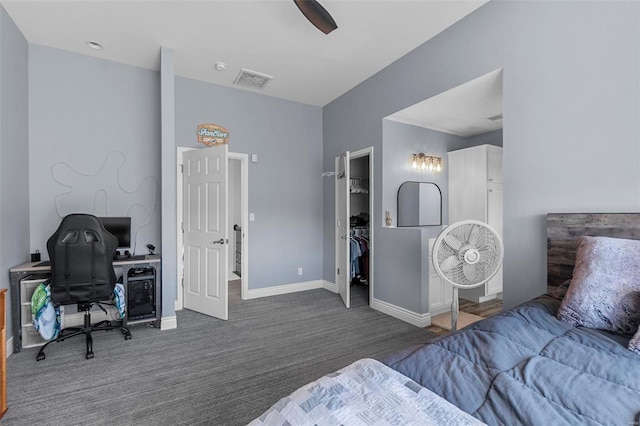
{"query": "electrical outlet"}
pixel 252 217
pixel 299 271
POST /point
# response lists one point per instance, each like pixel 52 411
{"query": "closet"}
pixel 359 229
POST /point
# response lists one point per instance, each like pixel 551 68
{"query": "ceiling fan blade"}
pixel 469 272
pixel 449 263
pixel 317 15
pixel 453 242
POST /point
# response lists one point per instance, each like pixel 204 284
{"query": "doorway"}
pixel 354 239
pixel 238 219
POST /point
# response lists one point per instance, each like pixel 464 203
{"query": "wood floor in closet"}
pixel 484 309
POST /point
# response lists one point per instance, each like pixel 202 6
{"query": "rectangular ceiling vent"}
pixel 253 79
pixel 496 118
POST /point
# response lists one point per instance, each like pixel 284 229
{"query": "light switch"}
pixel 254 158
pixel 252 217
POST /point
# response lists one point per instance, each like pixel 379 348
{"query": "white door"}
pixel 343 249
pixel 205 230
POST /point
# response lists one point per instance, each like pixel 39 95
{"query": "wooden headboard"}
pixel 564 229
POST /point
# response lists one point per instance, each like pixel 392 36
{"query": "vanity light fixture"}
pixel 426 163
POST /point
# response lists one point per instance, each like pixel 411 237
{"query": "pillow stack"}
pixel 605 288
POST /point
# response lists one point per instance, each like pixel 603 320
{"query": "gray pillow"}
pixel 605 288
pixel 634 344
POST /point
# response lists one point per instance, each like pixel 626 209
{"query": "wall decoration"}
pixel 212 134
pixel 107 192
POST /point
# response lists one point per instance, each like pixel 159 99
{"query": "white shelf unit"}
pixel 30 337
pixel 475 192
pixel 69 317
pixel 440 291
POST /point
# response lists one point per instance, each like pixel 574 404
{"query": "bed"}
pixel 522 366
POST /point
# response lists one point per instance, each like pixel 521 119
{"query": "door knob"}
pixel 220 241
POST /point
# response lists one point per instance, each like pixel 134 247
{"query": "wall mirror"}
pixel 419 204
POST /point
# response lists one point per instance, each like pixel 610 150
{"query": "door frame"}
pixel 343 248
pixel 244 202
pixel 352 156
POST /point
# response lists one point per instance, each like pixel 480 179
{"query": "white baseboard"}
pixel 328 285
pixel 168 323
pixel 283 289
pixel 9 346
pixel 441 310
pixel 486 298
pixel 419 320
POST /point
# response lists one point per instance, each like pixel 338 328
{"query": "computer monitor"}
pixel 119 227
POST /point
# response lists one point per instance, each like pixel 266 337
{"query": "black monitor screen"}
pixel 119 227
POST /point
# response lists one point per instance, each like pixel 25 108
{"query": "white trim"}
pixel 244 205
pixel 419 320
pixel 440 310
pixel 328 285
pixel 486 298
pixel 358 154
pixel 168 323
pixel 244 177
pixel 179 264
pixel 9 346
pixel 336 237
pixel 284 289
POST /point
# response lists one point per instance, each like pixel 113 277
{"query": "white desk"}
pixel 16 274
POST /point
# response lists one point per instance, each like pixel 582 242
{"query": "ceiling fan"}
pixel 317 15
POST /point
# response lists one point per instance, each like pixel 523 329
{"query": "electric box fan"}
pixel 467 254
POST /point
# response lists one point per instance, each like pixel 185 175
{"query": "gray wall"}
pixel 168 158
pixel 14 154
pixel 489 138
pixel 94 143
pixel 285 185
pixel 571 99
pixel 399 142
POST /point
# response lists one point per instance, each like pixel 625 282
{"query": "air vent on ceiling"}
pixel 252 79
pixel 496 118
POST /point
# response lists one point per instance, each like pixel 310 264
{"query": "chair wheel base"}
pixel 40 357
pixel 89 355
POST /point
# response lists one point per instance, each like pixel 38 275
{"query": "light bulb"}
pixel 438 167
pixel 422 164
pixel 414 164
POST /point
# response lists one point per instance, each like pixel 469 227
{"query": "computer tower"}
pixel 141 290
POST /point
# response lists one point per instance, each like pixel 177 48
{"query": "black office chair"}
pixel 81 253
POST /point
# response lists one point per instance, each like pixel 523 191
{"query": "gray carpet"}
pixel 207 371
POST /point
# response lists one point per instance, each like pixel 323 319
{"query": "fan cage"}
pixel 484 248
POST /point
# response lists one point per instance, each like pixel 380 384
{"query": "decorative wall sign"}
pixel 212 134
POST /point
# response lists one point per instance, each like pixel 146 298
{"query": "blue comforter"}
pixel 524 366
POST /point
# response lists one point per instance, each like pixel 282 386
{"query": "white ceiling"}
pixel 462 111
pixel 267 36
